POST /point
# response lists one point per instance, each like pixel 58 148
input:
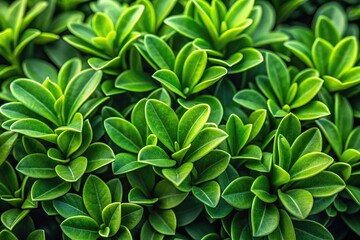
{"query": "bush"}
pixel 190 119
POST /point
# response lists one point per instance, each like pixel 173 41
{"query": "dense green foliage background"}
pixel 189 119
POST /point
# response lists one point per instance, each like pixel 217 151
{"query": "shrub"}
pixel 190 119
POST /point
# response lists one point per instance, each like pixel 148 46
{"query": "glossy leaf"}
pixel 97 196
pixel 82 227
pixel 265 217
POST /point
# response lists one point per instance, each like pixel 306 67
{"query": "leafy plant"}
pixel 218 31
pixel 283 94
pixel 190 119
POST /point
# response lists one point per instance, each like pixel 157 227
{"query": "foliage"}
pixel 190 119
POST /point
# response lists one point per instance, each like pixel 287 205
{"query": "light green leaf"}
pixel 265 218
pixel 208 193
pixel 278 76
pixel 205 142
pixel 124 134
pixel 159 51
pixel 163 221
pixel 111 216
pixel 35 97
pixel 238 193
pixel 73 171
pixel 96 196
pixel 49 189
pixel 307 90
pixel 191 123
pixel 34 128
pixel 78 90
pixel 324 184
pixel 155 156
pixel 37 165
pixel 343 57
pixel 298 202
pixel 309 165
pixel 80 227
pixel 250 99
pixel 311 111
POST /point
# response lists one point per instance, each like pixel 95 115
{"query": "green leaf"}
pixel 37 165
pixel 39 70
pixel 210 76
pixel 298 202
pixel 343 116
pixel 68 71
pixel 155 156
pixel 68 142
pixel 238 11
pixel 285 229
pixel 211 165
pixel 205 142
pixel 178 175
pixel 159 51
pixel 70 205
pixel 111 216
pixel 250 99
pixel 324 184
pixel 35 97
pixel 131 215
pixel 312 110
pixel 101 24
pixel 309 141
pixel 307 229
pixel 309 165
pixel 134 81
pixel 238 193
pixel 307 90
pixel 257 119
pixel 331 134
pixel 169 196
pixel 284 151
pixel 127 21
pixel 80 227
pixel 34 128
pixel 193 69
pixel 78 90
pixel 343 57
pixel 261 189
pixel 163 221
pixel 12 217
pixel 48 189
pixel 326 30
pixel 98 155
pixel 7 141
pixel 73 171
pixel 37 235
pixel 162 121
pixel 6 234
pixel 143 179
pixel 126 162
pixel 124 134
pixel 191 123
pixel 186 26
pixel 238 134
pixel 301 51
pixel 97 196
pixel 251 58
pixel 290 128
pixel 208 193
pixel 278 76
pixel 170 80
pixel 265 218
pixel 321 51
